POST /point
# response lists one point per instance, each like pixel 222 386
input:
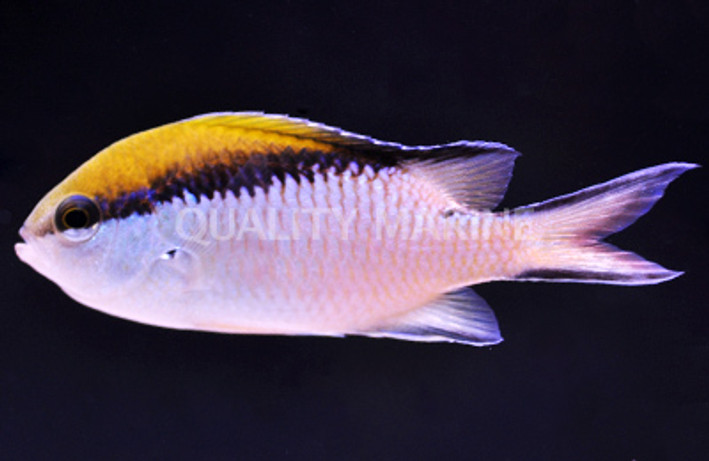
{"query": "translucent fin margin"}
pixel 460 316
pixel 474 182
pixel 568 230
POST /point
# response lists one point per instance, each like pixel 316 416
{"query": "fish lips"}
pixel 22 249
pixel 30 252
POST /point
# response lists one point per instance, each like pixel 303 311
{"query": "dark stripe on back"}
pixel 259 171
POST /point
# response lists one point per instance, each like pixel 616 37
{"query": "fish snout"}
pixel 22 249
pixel 24 233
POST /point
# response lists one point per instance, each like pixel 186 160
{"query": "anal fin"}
pixel 460 316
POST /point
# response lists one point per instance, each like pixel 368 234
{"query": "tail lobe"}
pixel 568 230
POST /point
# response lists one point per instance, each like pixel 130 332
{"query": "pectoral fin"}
pixel 460 316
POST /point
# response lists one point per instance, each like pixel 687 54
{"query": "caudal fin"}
pixel 566 231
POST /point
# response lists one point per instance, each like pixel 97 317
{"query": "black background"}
pixel 587 91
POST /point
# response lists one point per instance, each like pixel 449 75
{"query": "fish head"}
pixel 111 234
pixel 66 239
pixel 75 237
pixel 132 265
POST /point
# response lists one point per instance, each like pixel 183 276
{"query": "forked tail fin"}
pixel 565 232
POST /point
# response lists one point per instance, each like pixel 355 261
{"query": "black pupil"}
pixel 76 218
pixel 77 213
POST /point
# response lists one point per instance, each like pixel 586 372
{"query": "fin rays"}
pixel 460 316
pixel 475 182
pixel 569 229
pixel 249 150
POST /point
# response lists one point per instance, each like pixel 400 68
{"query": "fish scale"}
pixel 415 259
pixel 192 225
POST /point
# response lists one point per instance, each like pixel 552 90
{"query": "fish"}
pixel 255 223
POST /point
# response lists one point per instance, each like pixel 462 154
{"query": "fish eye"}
pixel 77 218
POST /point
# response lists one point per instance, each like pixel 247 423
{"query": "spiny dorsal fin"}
pixel 474 174
pixel 308 130
pixel 289 126
pixel 460 316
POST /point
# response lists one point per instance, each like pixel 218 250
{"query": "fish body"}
pixel 254 223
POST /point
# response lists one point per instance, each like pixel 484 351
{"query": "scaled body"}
pixel 250 223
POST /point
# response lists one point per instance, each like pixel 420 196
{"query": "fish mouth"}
pixel 24 234
pixel 22 248
pixel 29 252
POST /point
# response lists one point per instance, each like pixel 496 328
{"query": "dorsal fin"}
pixel 200 149
pixel 284 125
pixel 475 175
